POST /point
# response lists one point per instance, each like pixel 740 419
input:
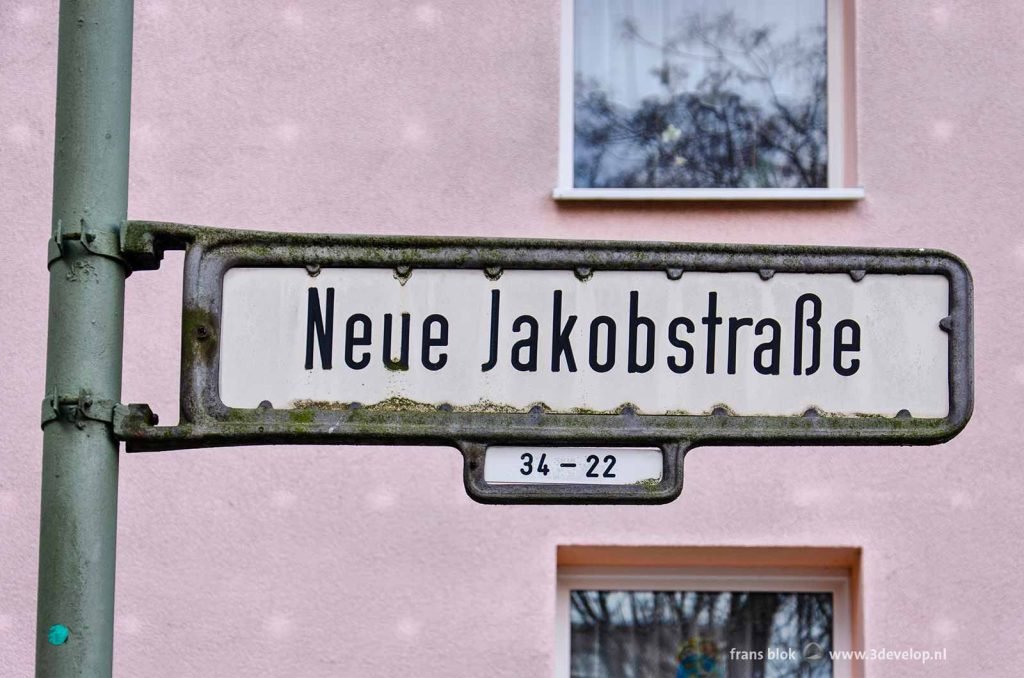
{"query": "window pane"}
pixel 700 94
pixel 683 634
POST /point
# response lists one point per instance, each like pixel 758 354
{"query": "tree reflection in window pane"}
pixel 684 634
pixel 700 94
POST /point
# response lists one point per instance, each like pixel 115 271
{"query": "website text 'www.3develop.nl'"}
pixel 814 652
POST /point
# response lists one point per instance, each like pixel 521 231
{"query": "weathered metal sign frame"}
pixel 206 422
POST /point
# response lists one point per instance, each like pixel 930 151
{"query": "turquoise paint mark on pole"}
pixel 58 634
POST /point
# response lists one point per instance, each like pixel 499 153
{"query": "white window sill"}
pixel 727 194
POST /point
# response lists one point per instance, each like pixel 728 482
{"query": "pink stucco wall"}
pixel 441 118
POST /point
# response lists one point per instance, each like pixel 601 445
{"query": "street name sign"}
pixel 618 339
pixel 564 371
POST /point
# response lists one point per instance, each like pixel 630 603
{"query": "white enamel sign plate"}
pixel 709 339
pixel 573 465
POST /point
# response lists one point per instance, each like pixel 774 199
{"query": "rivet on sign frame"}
pixel 403 273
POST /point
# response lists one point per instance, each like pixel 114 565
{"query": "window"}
pixel 649 614
pixel 705 99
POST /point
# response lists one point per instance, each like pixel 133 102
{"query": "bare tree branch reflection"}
pixel 737 107
pixel 648 634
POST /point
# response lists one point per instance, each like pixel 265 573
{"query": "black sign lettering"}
pixel 403 360
pixel 492 360
pixel 772 347
pixel 734 329
pixel 640 355
pixel 609 359
pixel 352 340
pixel 636 321
pixel 561 343
pixel 712 321
pixel 322 329
pixel 798 337
pixel 528 344
pixel 839 347
pixel 429 341
pixel 675 340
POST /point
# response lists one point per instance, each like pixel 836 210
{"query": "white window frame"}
pixel 811 580
pixel 838 34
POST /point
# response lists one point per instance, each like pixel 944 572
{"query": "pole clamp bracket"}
pixel 78 409
pixel 103 243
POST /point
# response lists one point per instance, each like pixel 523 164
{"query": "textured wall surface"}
pixel 441 118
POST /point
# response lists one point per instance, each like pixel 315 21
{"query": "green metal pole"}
pixel 75 616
